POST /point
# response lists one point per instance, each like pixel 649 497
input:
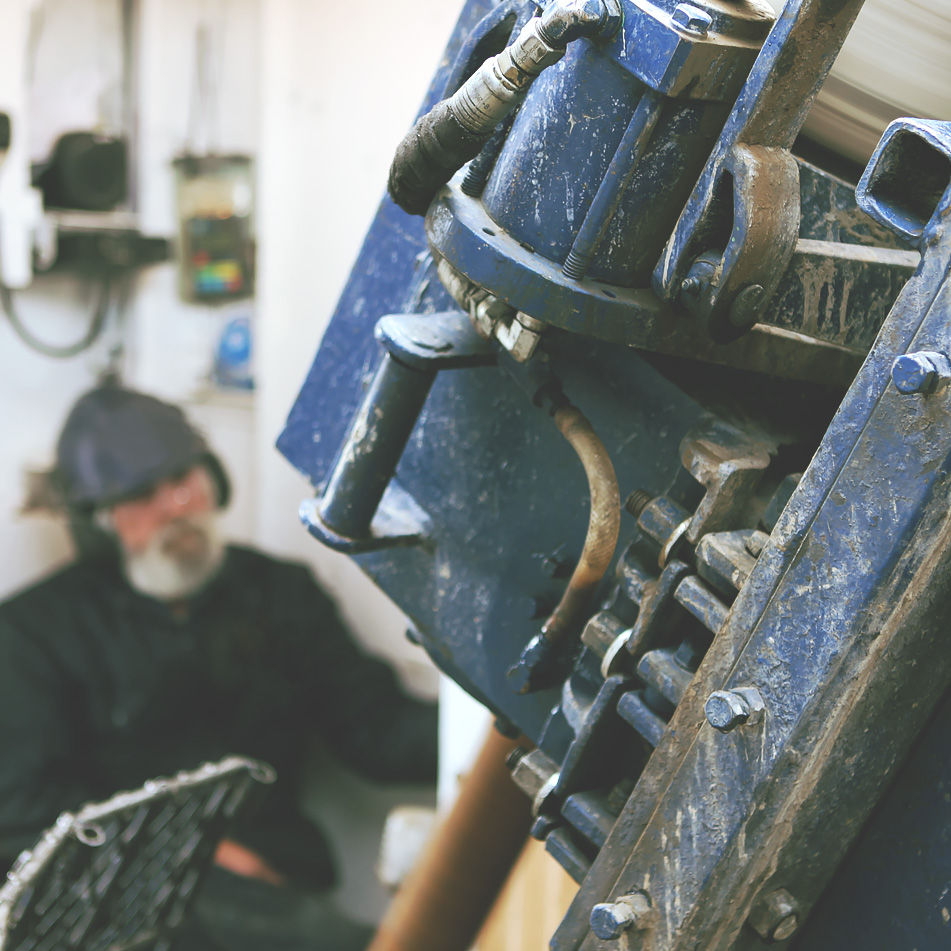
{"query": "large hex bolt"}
pixel 775 916
pixel 610 919
pixel 728 709
pixel 921 372
pixel 691 19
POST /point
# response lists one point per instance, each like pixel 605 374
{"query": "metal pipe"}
pixel 374 445
pixel 447 897
pixel 604 523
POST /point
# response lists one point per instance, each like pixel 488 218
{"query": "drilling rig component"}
pixel 794 340
pixel 907 177
pixel 740 269
pixel 609 920
pixel 725 710
pixel 532 772
pixel 604 205
pixel 661 669
pixel 775 916
pixel 836 615
pixel 540 659
pixel 456 129
pixel 725 559
pixel 670 91
pixel 873 637
pixel 691 19
pixel 518 333
pixel 751 163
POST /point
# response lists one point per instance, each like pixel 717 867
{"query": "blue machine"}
pixel 642 420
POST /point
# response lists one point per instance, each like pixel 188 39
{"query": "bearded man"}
pixel 160 648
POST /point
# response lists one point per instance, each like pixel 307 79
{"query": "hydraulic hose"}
pixel 540 662
pixel 604 524
pixel 455 129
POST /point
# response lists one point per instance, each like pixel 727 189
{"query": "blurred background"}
pixel 186 185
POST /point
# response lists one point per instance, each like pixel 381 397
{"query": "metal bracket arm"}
pixel 360 510
pixel 768 115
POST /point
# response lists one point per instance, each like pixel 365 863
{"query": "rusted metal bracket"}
pixel 726 270
pixel 756 195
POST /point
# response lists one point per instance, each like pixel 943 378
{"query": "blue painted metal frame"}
pixel 840 626
pixel 471 594
pixel 506 502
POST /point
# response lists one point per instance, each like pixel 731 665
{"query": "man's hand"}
pixel 240 860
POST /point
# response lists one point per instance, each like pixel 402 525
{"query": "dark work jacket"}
pixel 102 688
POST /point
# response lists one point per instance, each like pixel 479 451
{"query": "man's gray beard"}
pixel 167 569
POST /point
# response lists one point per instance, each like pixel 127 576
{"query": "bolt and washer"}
pixel 691 19
pixel 727 709
pixel 921 372
pixel 775 916
pixel 610 919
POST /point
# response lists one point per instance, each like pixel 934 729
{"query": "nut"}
pixel 609 920
pixel 691 19
pixel 727 709
pixel 531 52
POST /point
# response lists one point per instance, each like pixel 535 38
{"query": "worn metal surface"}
pixel 840 618
pixel 348 516
pixel 461 231
pixel 767 118
pixel 816 633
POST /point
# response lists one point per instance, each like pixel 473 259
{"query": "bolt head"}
pixel 745 309
pixel 775 916
pixel 691 19
pixel 725 710
pixel 786 928
pixel 920 372
pixel 610 919
pixel 913 373
pixel 541 826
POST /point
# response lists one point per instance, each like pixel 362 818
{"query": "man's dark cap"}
pixel 117 444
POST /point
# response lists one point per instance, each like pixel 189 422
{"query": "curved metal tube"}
pixel 603 523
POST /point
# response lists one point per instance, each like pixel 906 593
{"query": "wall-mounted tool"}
pixel 216 226
pixel 86 172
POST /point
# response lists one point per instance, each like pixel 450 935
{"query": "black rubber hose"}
pixel 56 351
pixel 430 154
